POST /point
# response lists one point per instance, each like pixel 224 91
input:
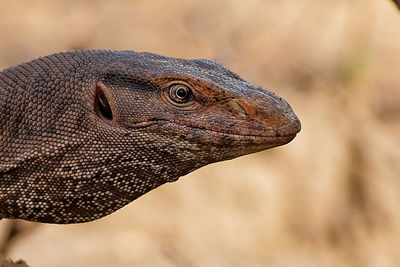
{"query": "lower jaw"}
pixel 222 138
pixel 222 152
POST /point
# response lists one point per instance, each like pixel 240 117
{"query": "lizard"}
pixel 83 133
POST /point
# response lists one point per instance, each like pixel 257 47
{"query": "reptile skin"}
pixel 84 133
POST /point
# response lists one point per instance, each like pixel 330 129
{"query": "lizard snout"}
pixel 265 114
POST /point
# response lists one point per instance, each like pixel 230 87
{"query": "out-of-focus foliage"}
pixel 329 198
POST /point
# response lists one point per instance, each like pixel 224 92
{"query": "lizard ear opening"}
pixel 102 106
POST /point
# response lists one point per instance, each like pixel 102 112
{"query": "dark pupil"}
pixel 181 93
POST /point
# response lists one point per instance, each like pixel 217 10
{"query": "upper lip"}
pixel 270 133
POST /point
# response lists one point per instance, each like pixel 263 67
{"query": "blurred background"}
pixel 329 198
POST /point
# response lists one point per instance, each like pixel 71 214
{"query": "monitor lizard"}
pixel 83 133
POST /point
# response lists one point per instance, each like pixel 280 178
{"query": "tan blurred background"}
pixel 329 198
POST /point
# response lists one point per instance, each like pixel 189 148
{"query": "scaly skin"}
pixel 84 133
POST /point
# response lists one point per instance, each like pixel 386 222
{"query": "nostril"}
pixel 239 108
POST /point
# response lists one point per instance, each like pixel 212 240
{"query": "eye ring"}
pixel 179 93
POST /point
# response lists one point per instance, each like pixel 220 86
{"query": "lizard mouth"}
pixel 211 135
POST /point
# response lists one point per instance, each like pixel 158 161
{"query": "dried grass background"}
pixel 329 198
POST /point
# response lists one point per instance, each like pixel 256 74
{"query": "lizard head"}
pixel 93 130
pixel 197 110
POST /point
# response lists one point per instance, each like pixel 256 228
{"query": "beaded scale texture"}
pixel 84 133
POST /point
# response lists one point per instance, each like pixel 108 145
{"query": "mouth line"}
pixel 145 124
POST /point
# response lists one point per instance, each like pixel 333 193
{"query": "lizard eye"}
pixel 179 93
